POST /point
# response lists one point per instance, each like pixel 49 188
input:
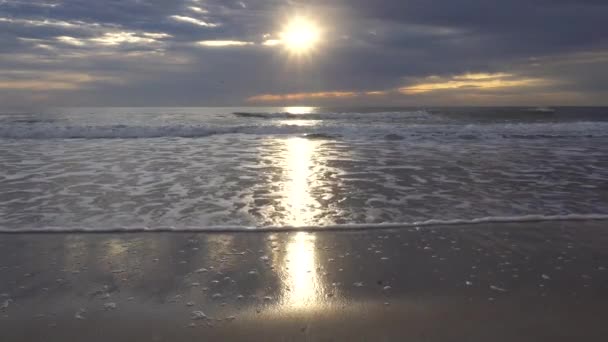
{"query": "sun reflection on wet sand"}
pixel 301 288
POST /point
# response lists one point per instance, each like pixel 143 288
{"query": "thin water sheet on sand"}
pixel 496 282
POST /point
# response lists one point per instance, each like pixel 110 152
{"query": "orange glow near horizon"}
pixel 313 96
pixel 466 83
pixel 480 81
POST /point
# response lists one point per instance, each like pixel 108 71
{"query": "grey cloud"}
pixel 370 45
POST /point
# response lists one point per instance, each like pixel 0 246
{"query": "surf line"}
pixel 338 227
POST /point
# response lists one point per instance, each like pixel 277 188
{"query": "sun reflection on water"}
pixel 299 110
pixel 292 122
pixel 299 203
pixel 301 283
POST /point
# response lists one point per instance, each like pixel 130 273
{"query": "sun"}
pixel 300 35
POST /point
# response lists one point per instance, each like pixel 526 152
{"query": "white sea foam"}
pixel 85 169
pixel 336 227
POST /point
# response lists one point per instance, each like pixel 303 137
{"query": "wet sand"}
pixel 493 282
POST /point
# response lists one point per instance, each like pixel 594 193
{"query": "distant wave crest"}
pixel 132 132
pixel 420 114
pixel 372 130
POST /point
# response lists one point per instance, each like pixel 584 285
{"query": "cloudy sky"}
pixel 367 52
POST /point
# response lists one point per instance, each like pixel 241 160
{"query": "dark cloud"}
pixel 146 52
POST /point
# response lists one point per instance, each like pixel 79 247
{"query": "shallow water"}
pixel 208 167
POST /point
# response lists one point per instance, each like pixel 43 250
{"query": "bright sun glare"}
pixel 300 35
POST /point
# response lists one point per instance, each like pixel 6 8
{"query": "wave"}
pixel 417 114
pixel 133 132
pixel 337 227
pixel 277 115
pixel 354 129
pixel 545 110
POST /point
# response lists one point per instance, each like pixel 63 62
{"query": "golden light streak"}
pixel 301 96
pixel 52 81
pixel 477 81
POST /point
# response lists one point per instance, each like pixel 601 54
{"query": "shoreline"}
pixel 545 282
pixel 431 223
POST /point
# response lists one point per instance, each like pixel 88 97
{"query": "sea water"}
pixel 255 168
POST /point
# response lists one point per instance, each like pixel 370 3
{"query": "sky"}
pixel 366 52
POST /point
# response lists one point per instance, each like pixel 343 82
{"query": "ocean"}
pixel 110 169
